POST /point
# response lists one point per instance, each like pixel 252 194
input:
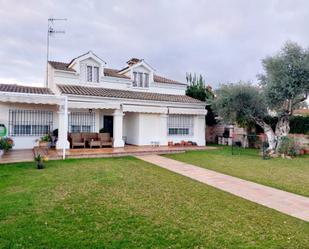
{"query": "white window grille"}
pixel 30 122
pixel 89 73
pixel 81 122
pixel 96 74
pixel 180 125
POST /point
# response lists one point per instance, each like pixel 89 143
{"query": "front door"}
pixel 108 124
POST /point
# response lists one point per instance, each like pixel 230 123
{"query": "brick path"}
pixel 285 202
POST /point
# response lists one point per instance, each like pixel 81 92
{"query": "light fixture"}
pixel 90 111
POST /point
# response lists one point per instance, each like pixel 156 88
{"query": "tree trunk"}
pixel 282 129
pixel 271 138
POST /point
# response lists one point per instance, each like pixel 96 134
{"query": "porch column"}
pixel 163 129
pixel 63 142
pixel 117 128
pixel 199 130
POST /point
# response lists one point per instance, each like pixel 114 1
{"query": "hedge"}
pixel 298 124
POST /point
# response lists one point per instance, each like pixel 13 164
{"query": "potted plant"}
pixel 45 141
pixel 6 144
pixel 40 161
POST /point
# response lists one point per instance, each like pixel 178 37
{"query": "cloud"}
pixel 223 40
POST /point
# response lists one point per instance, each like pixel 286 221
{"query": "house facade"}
pixel 134 104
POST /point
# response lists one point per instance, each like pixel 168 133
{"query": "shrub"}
pixel 288 146
pixel 103 130
pixel 55 132
pixel 6 143
pixel 299 125
pixel 46 138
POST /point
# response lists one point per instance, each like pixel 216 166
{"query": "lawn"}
pixel 287 174
pixel 127 203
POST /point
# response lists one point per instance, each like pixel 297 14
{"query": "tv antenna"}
pixel 50 32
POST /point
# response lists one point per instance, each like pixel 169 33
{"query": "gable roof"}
pixel 24 89
pixel 61 66
pixel 115 93
pixel 86 55
pixel 160 79
pixel 114 73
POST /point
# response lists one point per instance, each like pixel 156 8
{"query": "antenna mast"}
pixel 50 32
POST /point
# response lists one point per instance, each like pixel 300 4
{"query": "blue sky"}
pixel 225 40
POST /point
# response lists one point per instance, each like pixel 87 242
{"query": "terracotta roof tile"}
pixel 161 79
pixel 61 66
pixel 24 89
pixel 301 112
pixel 114 73
pixel 113 93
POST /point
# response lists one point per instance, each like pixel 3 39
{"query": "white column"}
pixel 63 142
pixel 97 120
pixel 199 130
pixel 163 130
pixel 117 129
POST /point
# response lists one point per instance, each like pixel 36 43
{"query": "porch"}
pixel 27 155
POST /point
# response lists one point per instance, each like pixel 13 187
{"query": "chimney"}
pixel 133 61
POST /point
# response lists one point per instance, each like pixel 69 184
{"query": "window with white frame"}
pixel 81 122
pixel 180 125
pixel 135 79
pixel 30 122
pixel 140 80
pixel 93 74
pixel 89 73
pixel 96 74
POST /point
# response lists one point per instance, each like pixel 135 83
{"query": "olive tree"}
pixel 244 104
pixel 283 87
pixel 286 83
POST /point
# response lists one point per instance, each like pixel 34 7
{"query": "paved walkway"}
pixel 285 202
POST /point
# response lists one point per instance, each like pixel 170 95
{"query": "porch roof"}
pixel 125 94
pixel 24 89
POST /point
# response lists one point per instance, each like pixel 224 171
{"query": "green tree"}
pixel 284 86
pixel 244 104
pixel 286 83
pixel 197 89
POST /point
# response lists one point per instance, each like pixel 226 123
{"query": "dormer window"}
pixel 92 74
pixel 140 80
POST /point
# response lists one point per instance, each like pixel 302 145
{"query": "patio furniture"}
pixel 105 139
pixel 77 140
pixel 93 140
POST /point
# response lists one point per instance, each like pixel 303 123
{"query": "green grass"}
pixel 127 203
pixel 287 174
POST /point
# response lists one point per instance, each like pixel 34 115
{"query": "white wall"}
pixel 198 132
pixel 25 142
pixel 142 129
pixel 131 128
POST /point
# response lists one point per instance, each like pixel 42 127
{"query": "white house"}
pixel 134 104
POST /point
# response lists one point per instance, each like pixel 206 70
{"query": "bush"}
pixel 55 132
pixel 6 143
pixel 103 130
pixel 299 125
pixel 46 138
pixel 288 146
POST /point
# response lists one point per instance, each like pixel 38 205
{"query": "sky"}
pixel 224 40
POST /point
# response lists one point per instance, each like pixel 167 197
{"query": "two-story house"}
pixel 134 104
